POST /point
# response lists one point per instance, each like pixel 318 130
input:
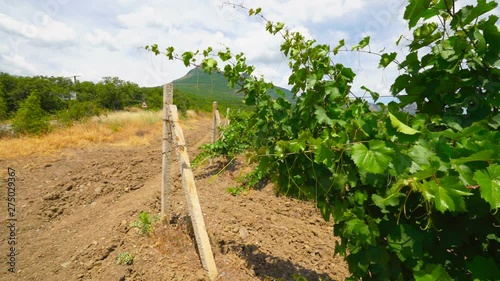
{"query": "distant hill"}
pixel 213 87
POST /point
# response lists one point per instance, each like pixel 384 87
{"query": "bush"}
pixel 78 111
pixel 3 106
pixel 30 118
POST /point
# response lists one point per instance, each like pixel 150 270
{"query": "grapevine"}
pixel 413 197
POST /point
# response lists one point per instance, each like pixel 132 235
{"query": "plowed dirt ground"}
pixel 74 210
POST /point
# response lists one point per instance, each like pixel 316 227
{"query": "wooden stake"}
pixel 217 118
pixel 166 183
pixel 214 125
pixel 227 116
pixel 200 231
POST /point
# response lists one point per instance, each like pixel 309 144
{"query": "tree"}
pixel 31 118
pixel 3 106
pixel 115 94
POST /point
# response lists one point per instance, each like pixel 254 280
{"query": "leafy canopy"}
pixel 413 197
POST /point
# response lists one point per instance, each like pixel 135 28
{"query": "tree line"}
pixel 29 103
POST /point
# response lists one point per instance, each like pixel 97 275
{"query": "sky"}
pixel 99 38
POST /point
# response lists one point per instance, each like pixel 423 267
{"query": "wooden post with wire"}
pixel 214 125
pixel 217 118
pixel 166 183
pixel 188 183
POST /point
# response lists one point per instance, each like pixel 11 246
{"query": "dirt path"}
pixel 74 210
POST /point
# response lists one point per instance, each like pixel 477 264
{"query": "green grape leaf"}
pixel 322 117
pixel 355 226
pixel 489 182
pixel 311 81
pixel 448 193
pixel 374 95
pixel 401 127
pixel 482 268
pixel 414 11
pixel 325 209
pixel 186 58
pixel 340 45
pixel 382 203
pixel 374 160
pixel 432 272
pixel 279 26
pixel 170 53
pixel 324 155
pixel 363 43
pixel 297 146
pixel 483 155
pixel 469 13
pixel 211 63
pixel 465 174
pixel 386 59
pixel 495 122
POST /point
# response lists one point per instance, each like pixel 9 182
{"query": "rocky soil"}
pixel 74 209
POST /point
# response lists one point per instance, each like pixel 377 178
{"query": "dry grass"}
pixel 118 128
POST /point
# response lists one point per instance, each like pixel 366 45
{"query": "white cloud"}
pixel 146 16
pixel 99 37
pixel 298 12
pixel 103 38
pixel 17 65
pixel 47 30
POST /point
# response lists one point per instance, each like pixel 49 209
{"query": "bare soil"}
pixel 74 210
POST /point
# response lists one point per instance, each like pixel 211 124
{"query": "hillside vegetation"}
pixel 29 105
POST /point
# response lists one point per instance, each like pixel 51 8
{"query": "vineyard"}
pixel 412 197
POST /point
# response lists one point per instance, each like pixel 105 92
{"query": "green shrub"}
pixel 3 106
pixel 30 118
pixel 78 111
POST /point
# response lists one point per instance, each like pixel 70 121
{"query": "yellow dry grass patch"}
pixel 117 128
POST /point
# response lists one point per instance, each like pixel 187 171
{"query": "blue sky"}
pixel 95 38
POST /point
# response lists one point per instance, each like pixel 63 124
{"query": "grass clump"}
pixel 125 258
pixel 144 226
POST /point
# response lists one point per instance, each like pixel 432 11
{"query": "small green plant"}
pixel 236 190
pixel 125 258
pixel 256 179
pixel 297 277
pixel 144 226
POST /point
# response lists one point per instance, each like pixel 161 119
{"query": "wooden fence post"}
pixel 217 118
pixel 166 183
pixel 227 116
pixel 200 230
pixel 214 125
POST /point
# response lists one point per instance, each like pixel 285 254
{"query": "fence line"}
pixel 173 134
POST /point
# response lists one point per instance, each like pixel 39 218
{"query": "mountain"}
pixel 214 87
